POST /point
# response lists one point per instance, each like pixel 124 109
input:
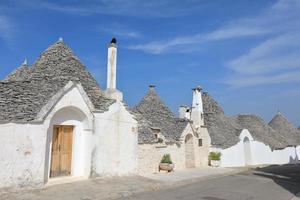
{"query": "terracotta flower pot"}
pixel 215 163
pixel 166 167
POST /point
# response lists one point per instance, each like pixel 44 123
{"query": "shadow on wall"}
pixel 286 176
pixel 296 159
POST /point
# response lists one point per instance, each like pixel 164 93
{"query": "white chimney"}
pixel 197 107
pixel 112 64
pixel 111 91
pixel 184 112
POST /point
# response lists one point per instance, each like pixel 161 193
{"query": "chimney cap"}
pixel 113 40
pixel 199 88
pixel 183 106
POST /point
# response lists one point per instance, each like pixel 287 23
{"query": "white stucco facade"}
pixel 257 153
pixel 116 140
pixel 103 143
pixel 22 154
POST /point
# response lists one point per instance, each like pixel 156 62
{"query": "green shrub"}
pixel 215 155
pixel 166 159
pixel 159 140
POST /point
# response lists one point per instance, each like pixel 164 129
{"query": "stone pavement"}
pixel 113 188
pixel 193 174
pixel 264 183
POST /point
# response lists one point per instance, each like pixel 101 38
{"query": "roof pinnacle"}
pixel 25 62
pixel 152 87
pixel 278 112
pixel 60 39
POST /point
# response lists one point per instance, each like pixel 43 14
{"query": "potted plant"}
pixel 166 163
pixel 215 158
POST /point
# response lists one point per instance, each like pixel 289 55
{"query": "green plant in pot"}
pixel 166 163
pixel 215 158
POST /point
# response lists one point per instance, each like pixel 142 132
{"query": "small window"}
pixel 200 142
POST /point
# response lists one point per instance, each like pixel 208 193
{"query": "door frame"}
pixel 50 152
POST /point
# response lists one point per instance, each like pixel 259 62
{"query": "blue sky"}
pixel 244 53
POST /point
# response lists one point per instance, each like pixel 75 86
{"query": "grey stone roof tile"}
pixel 286 129
pixel 18 74
pixel 261 131
pixel 225 130
pixel 152 109
pixel 56 66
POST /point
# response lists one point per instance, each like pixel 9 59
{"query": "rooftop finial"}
pixel 60 39
pixel 25 62
pixel 278 112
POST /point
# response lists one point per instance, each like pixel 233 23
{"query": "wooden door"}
pixel 61 158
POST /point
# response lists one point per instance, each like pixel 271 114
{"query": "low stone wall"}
pixel 150 155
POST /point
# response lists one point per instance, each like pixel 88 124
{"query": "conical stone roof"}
pixel 261 131
pixel 18 74
pixel 282 125
pixel 159 116
pixel 223 130
pixel 22 100
pixel 58 62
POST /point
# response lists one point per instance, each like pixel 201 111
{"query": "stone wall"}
pixel 150 155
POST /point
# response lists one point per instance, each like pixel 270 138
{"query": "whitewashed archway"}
pixel 70 116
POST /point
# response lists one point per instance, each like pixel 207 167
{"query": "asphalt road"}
pixel 269 183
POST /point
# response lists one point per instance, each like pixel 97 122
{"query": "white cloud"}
pixel 144 8
pixel 281 17
pixel 121 31
pixel 247 81
pixel 6 28
pixel 275 60
pixel 183 43
pixel 275 54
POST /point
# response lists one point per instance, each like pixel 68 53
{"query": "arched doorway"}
pixel 247 151
pixel 189 151
pixel 65 150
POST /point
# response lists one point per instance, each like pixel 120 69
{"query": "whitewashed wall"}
pixel 22 155
pixel 116 142
pixel 25 153
pixel 260 153
pixel 298 153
